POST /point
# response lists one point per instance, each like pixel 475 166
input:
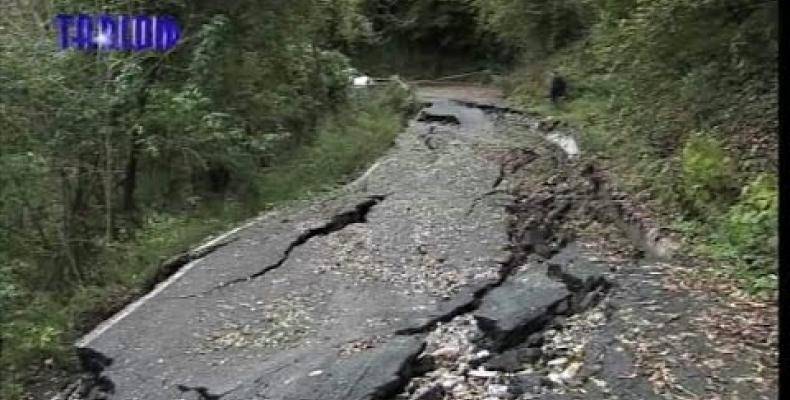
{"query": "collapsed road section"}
pixel 342 299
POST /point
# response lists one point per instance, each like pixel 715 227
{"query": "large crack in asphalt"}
pixel 409 368
pixel 535 236
pixel 476 201
pixel 490 108
pixel 358 215
pixel 202 392
pixel 534 231
pixel 515 159
pixel 93 385
pixel 583 294
pixel 517 345
pixel 446 119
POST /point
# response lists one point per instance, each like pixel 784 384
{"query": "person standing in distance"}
pixel 558 88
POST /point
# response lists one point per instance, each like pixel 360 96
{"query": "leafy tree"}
pixel 538 27
pixel 95 145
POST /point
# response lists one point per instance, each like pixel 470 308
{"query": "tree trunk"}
pixel 130 175
pixel 65 230
pixel 130 178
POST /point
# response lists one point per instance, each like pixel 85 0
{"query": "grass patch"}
pixel 706 167
pixel 345 144
pixel 39 327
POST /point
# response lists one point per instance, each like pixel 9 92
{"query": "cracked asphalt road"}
pixel 343 298
pixel 277 313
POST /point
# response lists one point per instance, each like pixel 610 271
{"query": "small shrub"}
pixel 398 96
pixel 707 175
pixel 748 230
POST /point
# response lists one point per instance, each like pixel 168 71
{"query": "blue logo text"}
pixel 117 32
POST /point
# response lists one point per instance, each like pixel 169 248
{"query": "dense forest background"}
pixel 113 162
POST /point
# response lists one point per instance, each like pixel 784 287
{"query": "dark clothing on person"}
pixel 558 89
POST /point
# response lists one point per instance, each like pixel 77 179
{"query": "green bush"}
pixel 749 227
pixel 708 174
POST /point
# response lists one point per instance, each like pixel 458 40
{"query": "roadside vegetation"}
pixel 677 99
pixel 114 162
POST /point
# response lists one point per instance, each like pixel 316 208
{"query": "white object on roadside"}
pixel 481 373
pixel 498 391
pixel 567 143
pixel 360 81
pixel 558 362
pixel 571 371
